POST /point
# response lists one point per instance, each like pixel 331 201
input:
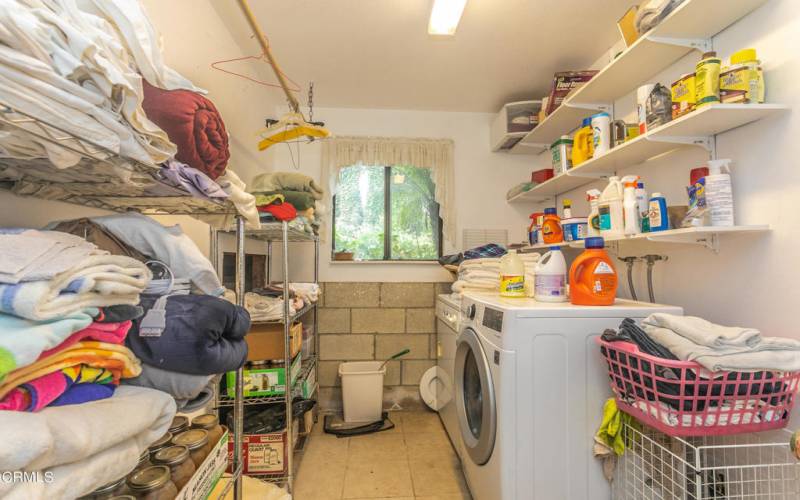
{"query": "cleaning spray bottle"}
pixel 593 227
pixel 512 275
pixel 630 206
pixel 644 208
pixel 609 206
pixel 550 277
pixel 719 192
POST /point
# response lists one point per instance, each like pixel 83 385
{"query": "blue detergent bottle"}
pixel 659 219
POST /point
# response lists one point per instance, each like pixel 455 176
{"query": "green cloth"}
pixel 610 431
pixel 289 181
pixel 268 199
pixel 301 200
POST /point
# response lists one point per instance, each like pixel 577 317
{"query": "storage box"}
pixel 203 481
pixel 264 381
pixel 262 453
pixel 565 82
pixel 265 341
pixel 512 122
pixel 542 175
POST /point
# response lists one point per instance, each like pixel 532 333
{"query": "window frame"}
pixel 387 225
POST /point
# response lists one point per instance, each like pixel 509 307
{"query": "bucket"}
pixel 362 390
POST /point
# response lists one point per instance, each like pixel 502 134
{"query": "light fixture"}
pixel 445 16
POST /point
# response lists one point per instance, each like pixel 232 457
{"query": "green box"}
pixel 264 381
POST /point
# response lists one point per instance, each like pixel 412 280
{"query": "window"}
pixel 386 213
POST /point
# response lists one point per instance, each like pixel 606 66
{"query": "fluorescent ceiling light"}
pixel 445 16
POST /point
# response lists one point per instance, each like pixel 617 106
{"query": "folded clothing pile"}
pixel 288 196
pixel 483 274
pixel 266 304
pixel 81 446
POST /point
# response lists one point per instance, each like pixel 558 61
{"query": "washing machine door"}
pixel 475 397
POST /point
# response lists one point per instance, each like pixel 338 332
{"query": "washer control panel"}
pixel 493 319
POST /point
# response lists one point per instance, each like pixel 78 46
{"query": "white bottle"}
pixel 630 206
pixel 512 275
pixel 609 207
pixel 719 193
pixel 601 133
pixel 643 202
pixel 550 277
pixel 593 226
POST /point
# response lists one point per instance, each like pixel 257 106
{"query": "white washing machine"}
pixel 530 386
pixel 448 319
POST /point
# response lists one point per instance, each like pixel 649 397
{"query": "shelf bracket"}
pixel 587 105
pixel 710 241
pixel 701 44
pixel 701 141
pixel 591 175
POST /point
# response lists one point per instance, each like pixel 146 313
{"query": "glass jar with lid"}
pixel 196 440
pixel 144 461
pixel 209 422
pixel 152 483
pixel 179 424
pixel 180 464
pixel 164 441
pixel 107 491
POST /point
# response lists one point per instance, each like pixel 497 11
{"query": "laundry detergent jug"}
pixel 512 275
pixel 609 206
pixel 550 277
pixel 583 143
pixel 592 276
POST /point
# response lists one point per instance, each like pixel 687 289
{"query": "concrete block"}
pixel 378 321
pixel 413 370
pixel 329 374
pixel 334 320
pixel 347 347
pixel 387 345
pixel 352 294
pixel 407 295
pixel 421 320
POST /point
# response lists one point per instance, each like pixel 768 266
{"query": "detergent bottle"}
pixel 719 192
pixel 550 277
pixel 551 227
pixel 583 143
pixel 630 206
pixel 592 276
pixel 609 207
pixel 512 275
pixel 644 206
pixel 593 226
pixel 659 218
pixel 567 208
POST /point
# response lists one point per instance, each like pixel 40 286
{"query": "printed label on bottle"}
pixel 581 231
pixel 512 285
pixel 655 214
pixel 603 268
pixel 605 217
pixel 550 285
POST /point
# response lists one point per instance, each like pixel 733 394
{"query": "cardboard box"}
pixel 306 387
pixel 565 82
pixel 262 453
pixel 205 479
pixel 264 381
pixel 627 26
pixel 265 341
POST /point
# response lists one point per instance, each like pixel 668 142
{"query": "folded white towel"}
pixel 704 332
pixel 33 255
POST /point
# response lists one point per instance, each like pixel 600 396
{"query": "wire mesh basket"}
pixel 656 466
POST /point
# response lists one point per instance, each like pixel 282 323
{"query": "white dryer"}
pixel 530 386
pixel 448 320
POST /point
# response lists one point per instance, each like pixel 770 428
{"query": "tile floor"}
pixel 415 460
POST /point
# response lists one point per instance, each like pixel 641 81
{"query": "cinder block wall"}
pixel 372 321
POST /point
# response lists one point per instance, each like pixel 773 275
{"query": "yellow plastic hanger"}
pixel 290 127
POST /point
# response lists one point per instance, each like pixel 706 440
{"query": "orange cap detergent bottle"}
pixel 592 276
pixel 551 227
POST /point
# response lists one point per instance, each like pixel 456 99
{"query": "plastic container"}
pixel 534 228
pixel 707 79
pixel 601 134
pixel 642 95
pixel 609 207
pixel 541 176
pixel 583 143
pixel 659 219
pixel 644 206
pixel 719 193
pixel 743 81
pixel 574 228
pixel 512 275
pixel 561 154
pixel 566 209
pixel 362 390
pixel 630 206
pixel 681 398
pixel 550 277
pixel 593 228
pixel 551 227
pixel 592 276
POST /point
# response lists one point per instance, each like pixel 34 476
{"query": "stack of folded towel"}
pixel 483 274
pixel 288 196
pixel 722 348
pixel 266 304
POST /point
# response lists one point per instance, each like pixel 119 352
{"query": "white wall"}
pixel 750 282
pixel 482 179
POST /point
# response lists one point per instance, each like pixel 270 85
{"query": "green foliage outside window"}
pixel 361 223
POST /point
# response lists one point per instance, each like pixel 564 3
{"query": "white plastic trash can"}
pixel 362 390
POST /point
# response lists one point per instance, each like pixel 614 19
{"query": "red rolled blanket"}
pixel 193 123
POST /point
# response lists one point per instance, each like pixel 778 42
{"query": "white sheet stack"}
pixel 484 274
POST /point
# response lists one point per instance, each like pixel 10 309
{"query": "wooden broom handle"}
pixel 251 19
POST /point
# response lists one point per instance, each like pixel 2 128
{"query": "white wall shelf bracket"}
pixel 703 142
pixel 709 241
pixel 588 105
pixel 590 175
pixel 701 44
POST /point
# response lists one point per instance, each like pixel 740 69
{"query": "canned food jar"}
pixel 180 464
pixel 196 440
pixel 152 483
pixel 179 424
pixel 209 422
pixel 164 441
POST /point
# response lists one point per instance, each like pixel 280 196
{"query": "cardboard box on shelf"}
pixel 265 341
pixel 205 479
pixel 627 26
pixel 262 453
pixel 270 381
pixel 565 82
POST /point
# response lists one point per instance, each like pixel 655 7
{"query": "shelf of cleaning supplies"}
pixel 691 130
pixel 706 236
pixel 689 27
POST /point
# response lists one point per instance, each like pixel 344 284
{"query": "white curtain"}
pixel 434 154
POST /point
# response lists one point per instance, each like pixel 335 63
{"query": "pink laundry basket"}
pixel 681 398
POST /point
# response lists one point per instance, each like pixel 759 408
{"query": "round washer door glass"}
pixel 475 398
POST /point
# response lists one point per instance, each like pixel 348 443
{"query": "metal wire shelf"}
pixel 306 367
pixel 273 231
pixel 306 308
pixel 100 178
pixel 744 466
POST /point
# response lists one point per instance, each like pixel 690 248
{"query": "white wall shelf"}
pixel 689 27
pixel 692 130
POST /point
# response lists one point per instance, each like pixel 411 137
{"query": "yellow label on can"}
pixel 512 286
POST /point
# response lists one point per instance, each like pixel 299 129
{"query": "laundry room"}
pixel 399 249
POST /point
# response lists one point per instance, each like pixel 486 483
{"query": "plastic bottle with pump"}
pixel 609 207
pixel 593 226
pixel 719 193
pixel 644 207
pixel 630 206
pixel 512 275
pixel 550 277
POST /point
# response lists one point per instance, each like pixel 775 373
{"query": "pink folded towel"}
pixel 112 333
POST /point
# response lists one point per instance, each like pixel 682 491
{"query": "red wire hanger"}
pixel 261 57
